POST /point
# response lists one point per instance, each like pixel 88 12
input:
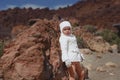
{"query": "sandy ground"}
pixel 103 66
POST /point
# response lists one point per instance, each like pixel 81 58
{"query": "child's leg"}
pixel 79 70
pixel 71 73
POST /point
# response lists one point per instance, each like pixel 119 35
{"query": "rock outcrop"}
pixel 94 43
pixel 101 13
pixel 34 54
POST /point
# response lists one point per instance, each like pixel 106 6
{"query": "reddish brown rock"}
pixel 34 54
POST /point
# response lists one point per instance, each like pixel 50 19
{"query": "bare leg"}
pixel 71 73
pixel 79 70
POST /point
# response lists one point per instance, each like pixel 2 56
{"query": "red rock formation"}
pixel 17 29
pixel 34 54
pixel 101 13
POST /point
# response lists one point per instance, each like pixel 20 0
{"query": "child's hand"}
pixel 82 57
pixel 68 63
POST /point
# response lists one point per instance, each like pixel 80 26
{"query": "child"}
pixel 71 55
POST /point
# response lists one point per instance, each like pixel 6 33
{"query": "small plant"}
pixel 1 48
pixel 75 24
pixel 81 43
pixel 37 35
pixel 90 28
pixel 110 37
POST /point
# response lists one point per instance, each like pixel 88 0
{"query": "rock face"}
pixel 101 13
pixel 17 29
pixel 34 54
pixel 99 45
pixel 95 43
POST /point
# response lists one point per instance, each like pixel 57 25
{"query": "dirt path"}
pixel 103 66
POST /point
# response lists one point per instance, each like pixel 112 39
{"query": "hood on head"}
pixel 64 24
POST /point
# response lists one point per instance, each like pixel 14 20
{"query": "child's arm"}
pixel 64 49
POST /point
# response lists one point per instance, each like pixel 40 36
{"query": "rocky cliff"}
pixel 100 13
pixel 34 54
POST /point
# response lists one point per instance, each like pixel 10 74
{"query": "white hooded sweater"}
pixel 69 47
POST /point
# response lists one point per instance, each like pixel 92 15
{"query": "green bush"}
pixel 81 43
pixel 90 28
pixel 75 24
pixel 110 37
pixel 1 48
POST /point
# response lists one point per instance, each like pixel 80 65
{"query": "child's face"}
pixel 67 31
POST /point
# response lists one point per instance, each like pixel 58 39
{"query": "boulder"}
pixel 33 54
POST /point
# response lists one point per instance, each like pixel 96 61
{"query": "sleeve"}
pixel 64 48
